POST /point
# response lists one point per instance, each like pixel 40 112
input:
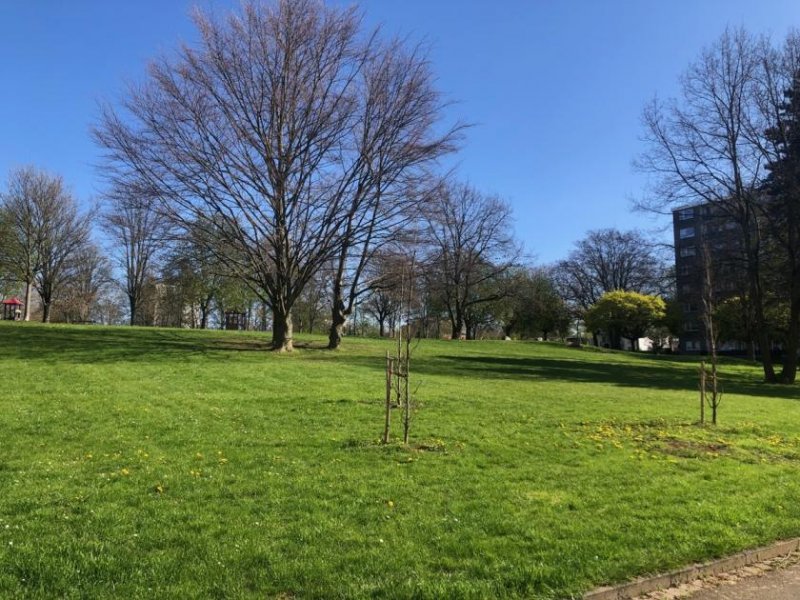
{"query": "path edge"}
pixel 677 577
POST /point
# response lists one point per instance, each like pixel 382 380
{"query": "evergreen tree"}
pixel 782 211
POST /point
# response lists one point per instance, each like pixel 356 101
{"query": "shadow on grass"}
pixel 616 368
pixel 646 372
pixel 115 344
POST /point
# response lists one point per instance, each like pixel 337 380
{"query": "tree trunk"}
pixel 469 330
pixel 338 321
pixel 335 333
pixel 789 371
pixel 339 311
pixel 132 306
pixel 381 326
pixel 205 309
pixel 264 309
pixel 27 307
pixel 156 307
pixel 459 328
pixel 282 330
pixel 765 345
pixel 614 339
pixel 754 276
pixel 45 311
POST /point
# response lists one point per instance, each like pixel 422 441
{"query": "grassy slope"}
pixel 136 462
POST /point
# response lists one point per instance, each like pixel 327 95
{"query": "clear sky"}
pixel 554 88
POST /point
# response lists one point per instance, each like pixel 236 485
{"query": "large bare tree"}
pixel 709 146
pixel 197 277
pixel 63 235
pixel 88 286
pixel 47 233
pixel 20 250
pixel 607 260
pixel 469 246
pixel 396 139
pixel 256 134
pixel 390 275
pixel 138 232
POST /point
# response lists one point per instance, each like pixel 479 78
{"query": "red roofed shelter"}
pixel 12 309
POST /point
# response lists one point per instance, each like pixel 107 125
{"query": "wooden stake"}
pixel 407 396
pixel 388 399
pixel 702 392
pixel 714 392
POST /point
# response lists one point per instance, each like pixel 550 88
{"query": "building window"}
pixel 685 214
pixel 720 245
pixel 688 251
pixel 686 232
pixel 687 288
pixel 692 345
pixel 684 271
pixel 690 326
pixel 689 307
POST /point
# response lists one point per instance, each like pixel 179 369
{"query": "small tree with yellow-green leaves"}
pixel 625 314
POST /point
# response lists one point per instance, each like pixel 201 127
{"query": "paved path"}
pixel 781 584
pixel 774 579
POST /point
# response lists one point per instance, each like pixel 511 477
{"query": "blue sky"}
pixel 555 89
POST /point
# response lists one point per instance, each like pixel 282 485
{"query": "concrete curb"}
pixel 645 585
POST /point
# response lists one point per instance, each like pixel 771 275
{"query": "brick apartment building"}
pixel 704 232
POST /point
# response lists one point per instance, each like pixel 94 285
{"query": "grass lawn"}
pixel 144 462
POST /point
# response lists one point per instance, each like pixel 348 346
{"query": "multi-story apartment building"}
pixel 705 235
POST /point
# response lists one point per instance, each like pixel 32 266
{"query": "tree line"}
pixel 454 262
pixel 460 268
pixel 286 167
pixel 287 161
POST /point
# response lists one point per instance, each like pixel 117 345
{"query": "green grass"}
pixel 140 462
